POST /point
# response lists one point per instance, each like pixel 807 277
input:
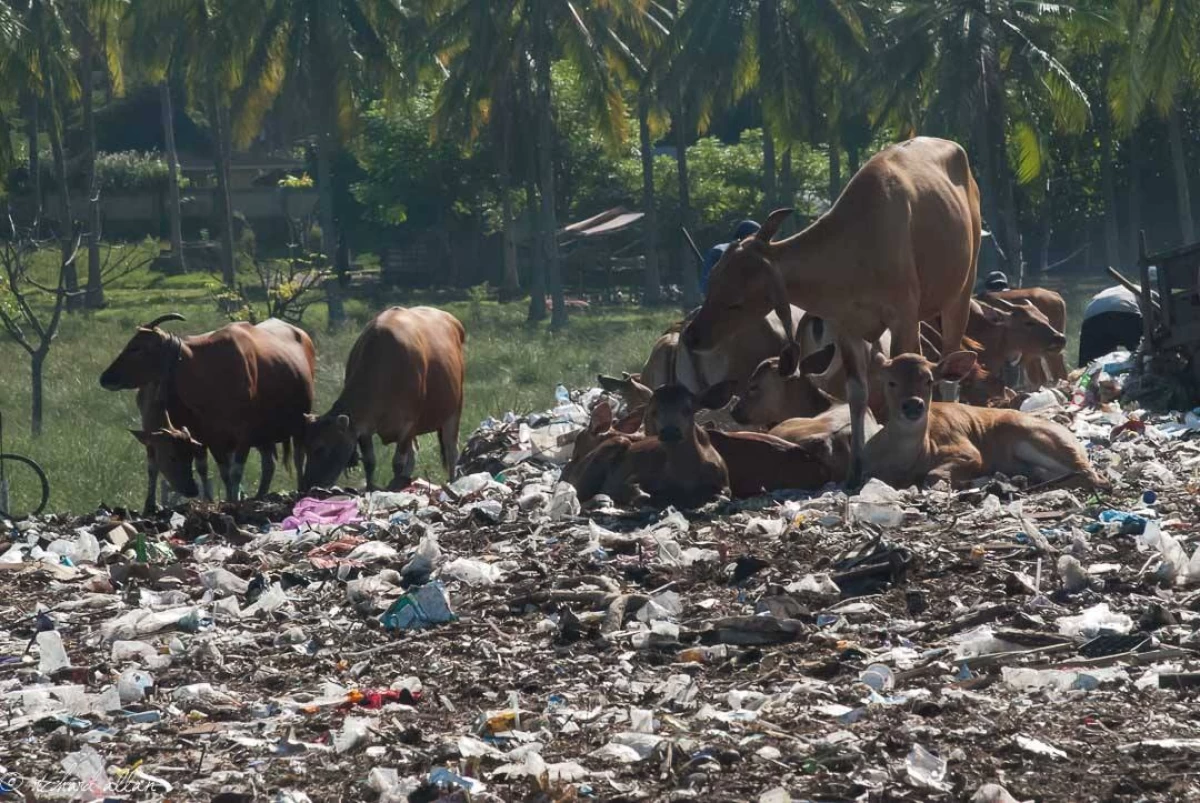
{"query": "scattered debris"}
pixel 493 640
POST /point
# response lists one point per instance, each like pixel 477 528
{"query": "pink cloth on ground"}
pixel 322 511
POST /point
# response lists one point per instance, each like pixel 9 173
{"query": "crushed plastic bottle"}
pixel 132 685
pixel 424 607
pixel 562 395
pixel 1043 399
pixel 925 770
pixel 877 503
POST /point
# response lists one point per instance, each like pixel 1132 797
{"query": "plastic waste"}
pixel 427 606
pixel 51 654
pixel 1094 621
pixel 1127 523
pixel 879 677
pixel 472 572
pixel 132 685
pixel 564 503
pixel 877 503
pixel 561 395
pixel 391 788
pixel 926 770
pixel 355 732
pixel 1074 577
pixel 87 767
pixel 1041 400
pixel 992 793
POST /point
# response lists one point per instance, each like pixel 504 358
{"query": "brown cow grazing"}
pixel 677 467
pixel 404 378
pixel 924 441
pixel 169 451
pixel 899 246
pixel 1051 366
pixel 238 388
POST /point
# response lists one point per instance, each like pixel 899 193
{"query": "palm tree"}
pixel 781 51
pixel 42 59
pixel 483 45
pixel 95 27
pixel 202 46
pixel 970 67
pixel 335 52
pixel 10 31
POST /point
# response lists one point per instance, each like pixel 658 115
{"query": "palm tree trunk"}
pixel 510 287
pixel 174 210
pixel 65 224
pixel 687 268
pixel 32 126
pixel 981 155
pixel 653 278
pixel 787 189
pixel 95 282
pixel 221 148
pixel 537 286
pixel 998 140
pixel 1108 186
pixel 1135 197
pixel 770 172
pixel 546 183
pixel 1182 192
pixel 835 170
pixel 853 159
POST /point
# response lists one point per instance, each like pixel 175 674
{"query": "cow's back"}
pixel 405 374
pixel 246 385
pixel 915 204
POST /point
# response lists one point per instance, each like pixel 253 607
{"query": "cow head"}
pixel 671 413
pixel 173 451
pixel 329 444
pixel 771 398
pixel 908 384
pixel 144 358
pixel 1028 330
pixel 745 284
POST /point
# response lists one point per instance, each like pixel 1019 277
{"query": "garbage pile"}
pixel 490 640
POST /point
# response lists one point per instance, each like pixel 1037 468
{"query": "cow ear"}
pixel 343 423
pixel 993 314
pixel 771 227
pixel 879 360
pixel 818 362
pixel 717 396
pixel 955 366
pixel 144 437
pixel 789 359
pixel 602 418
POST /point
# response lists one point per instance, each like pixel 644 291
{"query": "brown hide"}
pixel 899 246
pixel 924 441
pixel 1041 369
pixel 758 463
pixel 404 378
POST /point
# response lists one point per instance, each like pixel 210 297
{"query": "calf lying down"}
pixel 924 442
pixel 662 466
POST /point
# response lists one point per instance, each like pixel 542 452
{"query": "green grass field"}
pixel 92 459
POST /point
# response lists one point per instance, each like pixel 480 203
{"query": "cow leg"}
pixel 225 469
pixel 448 439
pixel 404 463
pixel 1056 367
pixel 152 487
pixel 854 358
pixel 202 469
pixel 268 471
pixel 236 471
pixel 954 328
pixel 298 461
pixel 366 447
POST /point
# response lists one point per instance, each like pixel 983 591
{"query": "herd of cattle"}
pixel 834 343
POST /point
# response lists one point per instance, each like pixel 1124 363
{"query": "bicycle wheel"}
pixel 24 489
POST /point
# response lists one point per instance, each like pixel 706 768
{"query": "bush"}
pixel 126 171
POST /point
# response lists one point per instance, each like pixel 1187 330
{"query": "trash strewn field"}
pixel 490 640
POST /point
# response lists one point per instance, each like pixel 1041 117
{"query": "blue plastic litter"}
pixel 1131 523
pixel 420 608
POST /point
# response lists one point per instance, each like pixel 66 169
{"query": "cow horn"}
pixel 791 353
pixel 1002 304
pixel 161 319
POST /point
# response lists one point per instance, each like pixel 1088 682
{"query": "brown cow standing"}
pixel 238 388
pixel 169 451
pixel 404 378
pixel 899 246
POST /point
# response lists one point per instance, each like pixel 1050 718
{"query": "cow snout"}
pixel 912 409
pixel 109 381
pixel 670 434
